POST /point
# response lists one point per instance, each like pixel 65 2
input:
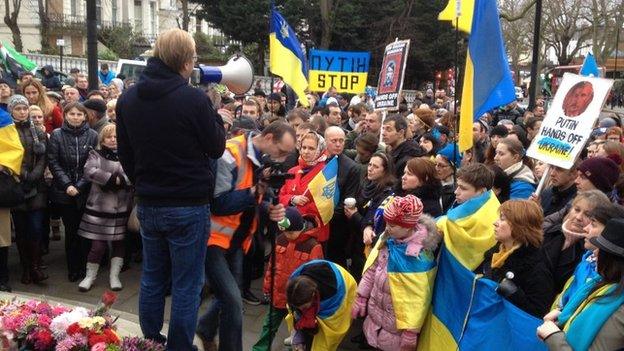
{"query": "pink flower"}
pixel 44 321
pixel 100 346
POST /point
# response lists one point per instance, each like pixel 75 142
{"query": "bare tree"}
pixel 328 11
pixel 517 28
pixel 605 17
pixel 10 19
pixel 565 28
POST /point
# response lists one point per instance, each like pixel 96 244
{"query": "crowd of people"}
pixel 189 169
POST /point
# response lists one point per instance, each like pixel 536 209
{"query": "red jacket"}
pixel 54 119
pixel 299 186
pixel 289 255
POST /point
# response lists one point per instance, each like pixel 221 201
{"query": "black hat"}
pixel 295 218
pixel 259 92
pixel 275 97
pixel 500 131
pixel 7 82
pixel 95 105
pixel 611 239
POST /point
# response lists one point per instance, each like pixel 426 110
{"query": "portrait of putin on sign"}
pixel 578 98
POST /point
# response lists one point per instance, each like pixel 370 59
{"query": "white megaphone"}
pixel 236 74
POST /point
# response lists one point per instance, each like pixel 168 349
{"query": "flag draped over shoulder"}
pixel 11 150
pixel 14 62
pixel 487 78
pixel 286 59
pixel 466 312
pixel 324 191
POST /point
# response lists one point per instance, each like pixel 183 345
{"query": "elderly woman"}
pixel 295 191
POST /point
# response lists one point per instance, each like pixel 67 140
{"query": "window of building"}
pixel 138 16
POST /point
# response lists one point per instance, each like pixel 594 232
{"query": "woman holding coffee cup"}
pixel 378 186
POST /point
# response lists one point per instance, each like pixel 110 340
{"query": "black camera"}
pixel 273 175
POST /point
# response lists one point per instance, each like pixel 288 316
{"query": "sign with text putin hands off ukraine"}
pixel 570 120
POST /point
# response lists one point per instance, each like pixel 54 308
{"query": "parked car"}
pixel 519 93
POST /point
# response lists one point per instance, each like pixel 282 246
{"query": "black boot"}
pixel 25 261
pixel 4 269
pixel 36 274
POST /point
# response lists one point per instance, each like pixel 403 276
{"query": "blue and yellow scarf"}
pixel 587 311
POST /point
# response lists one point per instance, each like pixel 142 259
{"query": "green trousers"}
pixel 268 332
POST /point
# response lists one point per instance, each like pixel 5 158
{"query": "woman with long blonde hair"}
pixel 35 92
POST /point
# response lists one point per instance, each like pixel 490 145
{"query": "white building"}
pixel 68 20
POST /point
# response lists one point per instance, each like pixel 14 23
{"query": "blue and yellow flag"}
pixel 468 314
pixel 590 67
pixel 487 78
pixel 324 190
pixel 411 280
pixel 285 56
pixel 11 149
pixel 334 316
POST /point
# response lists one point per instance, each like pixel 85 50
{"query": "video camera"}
pixel 273 175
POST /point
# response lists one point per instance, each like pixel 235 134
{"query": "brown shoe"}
pixel 208 345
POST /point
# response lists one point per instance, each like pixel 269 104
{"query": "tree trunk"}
pixel 261 48
pixel 10 19
pixel 326 21
pixel 185 15
pixel 44 28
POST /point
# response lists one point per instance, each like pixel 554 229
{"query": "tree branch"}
pixel 512 18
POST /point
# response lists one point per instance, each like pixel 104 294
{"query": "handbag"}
pixel 11 192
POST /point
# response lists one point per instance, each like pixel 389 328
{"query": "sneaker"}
pixel 250 299
pixel 265 299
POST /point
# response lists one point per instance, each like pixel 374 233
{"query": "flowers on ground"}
pixel 36 326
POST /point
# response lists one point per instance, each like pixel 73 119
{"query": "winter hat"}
pixel 500 131
pixel 448 151
pixel 7 82
pixel 295 219
pixel 259 92
pixel 95 105
pixel 274 97
pixel 602 172
pixel 54 95
pixel 17 100
pixel 404 211
pixel 607 122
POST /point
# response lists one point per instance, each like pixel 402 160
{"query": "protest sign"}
pixel 391 75
pixel 346 71
pixel 570 120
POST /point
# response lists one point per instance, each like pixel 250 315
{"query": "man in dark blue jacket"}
pixel 167 133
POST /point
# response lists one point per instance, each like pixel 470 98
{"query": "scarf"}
pixel 520 172
pixel 108 153
pixel 306 319
pixel 587 311
pixel 584 272
pixel 571 237
pixel 499 258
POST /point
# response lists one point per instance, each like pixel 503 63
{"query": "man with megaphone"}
pixel 167 134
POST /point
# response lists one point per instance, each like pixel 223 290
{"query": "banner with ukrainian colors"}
pixel 324 192
pixel 11 149
pixel 468 314
pixel 346 71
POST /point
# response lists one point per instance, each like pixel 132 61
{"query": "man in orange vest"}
pixel 238 193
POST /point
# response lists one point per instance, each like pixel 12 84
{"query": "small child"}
pixel 319 295
pixel 294 247
pixel 398 273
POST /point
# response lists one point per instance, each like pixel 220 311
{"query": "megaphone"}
pixel 236 74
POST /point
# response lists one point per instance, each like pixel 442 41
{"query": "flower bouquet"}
pixel 37 326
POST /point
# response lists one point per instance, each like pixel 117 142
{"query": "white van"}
pixel 131 68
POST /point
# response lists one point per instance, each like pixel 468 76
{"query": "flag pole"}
pixel 455 99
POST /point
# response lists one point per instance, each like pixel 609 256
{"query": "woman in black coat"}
pixel 69 148
pixel 420 180
pixel 516 262
pixel 377 187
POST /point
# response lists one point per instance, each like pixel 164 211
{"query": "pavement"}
pixel 58 289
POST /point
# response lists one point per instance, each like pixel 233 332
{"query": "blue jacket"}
pixel 106 78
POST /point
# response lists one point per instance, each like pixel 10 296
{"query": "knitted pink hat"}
pixel 404 211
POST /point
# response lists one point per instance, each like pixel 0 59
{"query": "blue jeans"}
pixel 224 270
pixel 174 250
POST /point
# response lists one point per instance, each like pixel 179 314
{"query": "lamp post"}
pixel 535 59
pixel 60 43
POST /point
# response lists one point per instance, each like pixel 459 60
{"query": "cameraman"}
pixel 238 193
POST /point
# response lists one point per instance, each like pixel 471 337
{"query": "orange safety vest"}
pixel 222 228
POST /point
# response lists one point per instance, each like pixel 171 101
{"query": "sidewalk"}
pixel 58 288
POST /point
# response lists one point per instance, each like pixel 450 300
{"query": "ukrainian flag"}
pixel 324 191
pixel 11 149
pixel 334 315
pixel 487 78
pixel 285 56
pixel 466 312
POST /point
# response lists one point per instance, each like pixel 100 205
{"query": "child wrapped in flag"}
pixel 319 295
pixel 399 272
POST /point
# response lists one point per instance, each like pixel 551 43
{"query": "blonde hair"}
pixel 108 130
pixel 32 108
pixel 43 102
pixel 175 48
pixel 112 103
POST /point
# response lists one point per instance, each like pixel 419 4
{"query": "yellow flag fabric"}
pixel 465 17
pixel 11 149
